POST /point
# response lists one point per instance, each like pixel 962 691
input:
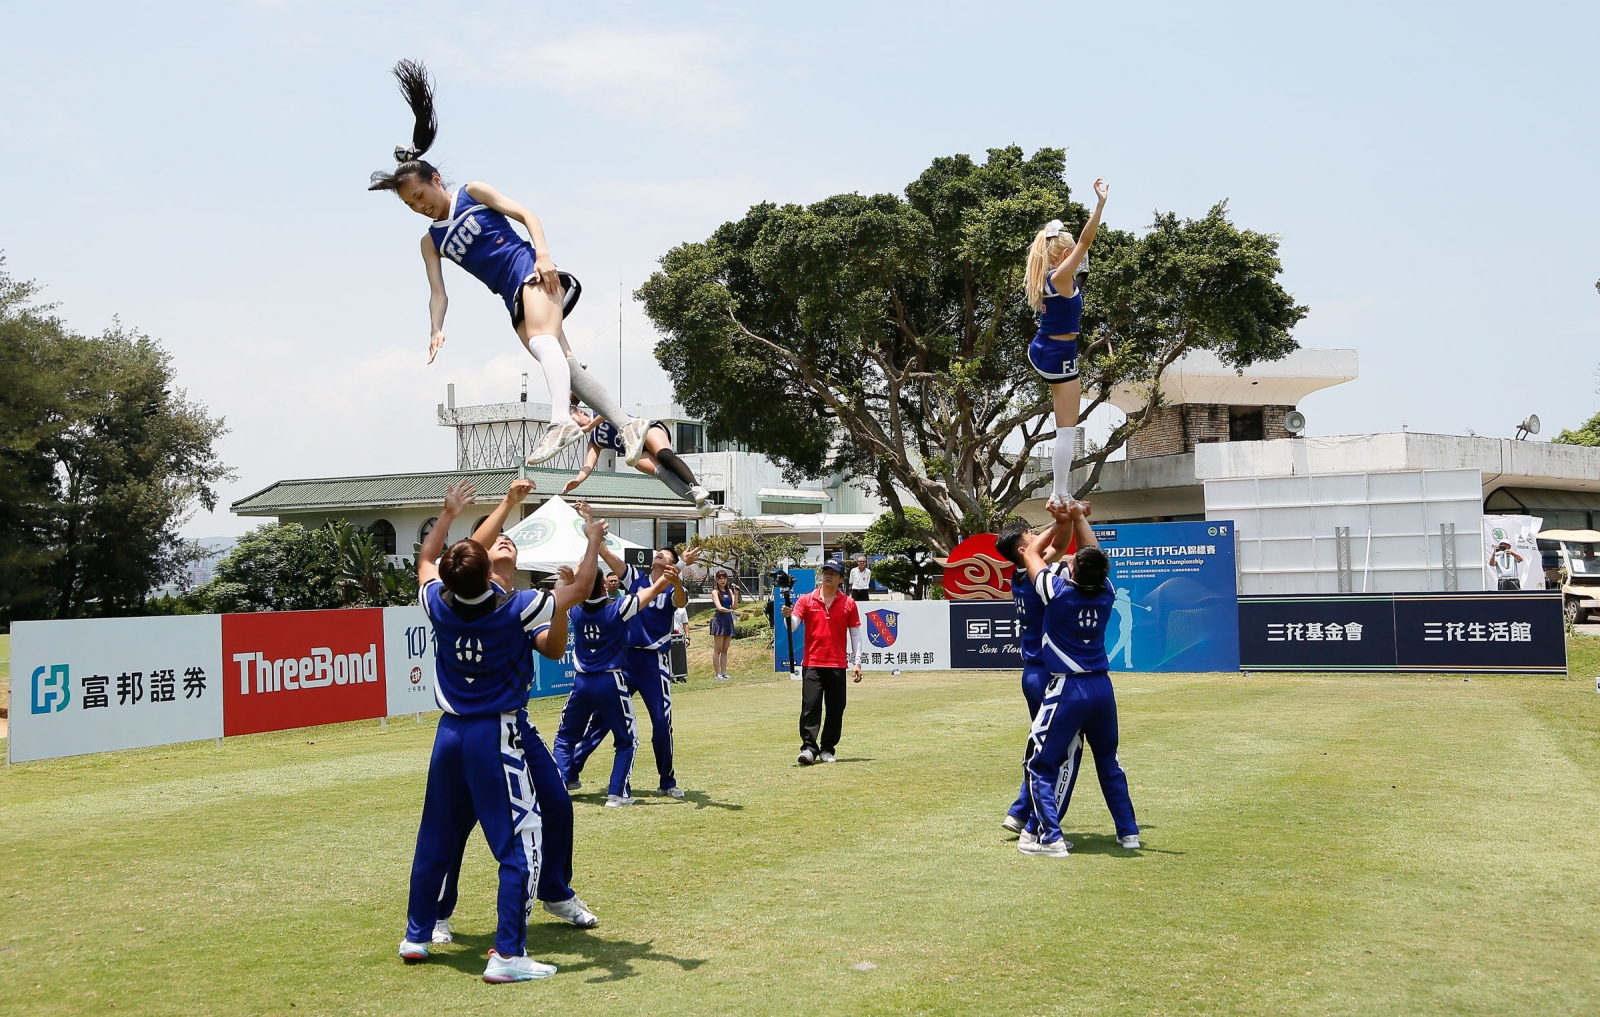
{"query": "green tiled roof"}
pixel 394 490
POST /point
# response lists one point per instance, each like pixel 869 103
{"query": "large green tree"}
pixel 885 336
pixel 103 462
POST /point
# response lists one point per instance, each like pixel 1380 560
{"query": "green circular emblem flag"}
pixel 539 532
pixel 1499 533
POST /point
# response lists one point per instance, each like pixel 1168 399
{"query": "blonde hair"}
pixel 1043 256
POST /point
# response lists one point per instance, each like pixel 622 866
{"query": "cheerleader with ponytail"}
pixel 471 226
pixel 1057 267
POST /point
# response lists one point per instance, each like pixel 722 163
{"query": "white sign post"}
pixel 408 660
pixel 94 685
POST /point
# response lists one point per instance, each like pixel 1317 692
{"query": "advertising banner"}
pixel 1337 632
pixel 905 635
pixel 1473 631
pixel 985 634
pixel 297 668
pixel 553 677
pixel 94 685
pixel 1519 566
pixel 1177 600
pixel 1480 632
pixel 805 580
pixel 408 660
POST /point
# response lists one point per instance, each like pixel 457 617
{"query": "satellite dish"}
pixel 1528 426
pixel 1294 422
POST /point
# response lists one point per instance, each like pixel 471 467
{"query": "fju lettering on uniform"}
pixel 461 237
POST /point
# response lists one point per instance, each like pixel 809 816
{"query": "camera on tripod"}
pixel 781 579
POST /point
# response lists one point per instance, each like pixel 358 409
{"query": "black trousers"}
pixel 821 688
pixel 860 595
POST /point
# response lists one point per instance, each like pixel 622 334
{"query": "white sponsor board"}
pixel 906 635
pixel 94 685
pixel 408 660
pixel 1522 533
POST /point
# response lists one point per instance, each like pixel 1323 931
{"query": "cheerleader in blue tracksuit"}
pixel 471 226
pixel 1056 270
pixel 659 460
pixel 600 689
pixel 1078 701
pixel 488 762
pixel 1035 672
pixel 649 670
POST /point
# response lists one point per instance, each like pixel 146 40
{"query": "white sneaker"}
pixel 1024 837
pixel 702 500
pixel 618 801
pixel 826 757
pixel 573 910
pixel 1131 842
pixel 807 757
pixel 515 969
pixel 413 951
pixel 554 440
pixel 1054 849
pixel 633 439
pixel 672 792
pixel 442 933
pixel 1011 823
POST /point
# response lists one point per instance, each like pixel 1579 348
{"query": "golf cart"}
pixel 1572 562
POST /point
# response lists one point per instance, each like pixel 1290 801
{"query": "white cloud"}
pixel 676 76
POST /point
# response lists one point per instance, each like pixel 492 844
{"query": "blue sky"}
pixel 199 172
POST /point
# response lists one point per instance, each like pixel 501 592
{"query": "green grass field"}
pixel 1315 844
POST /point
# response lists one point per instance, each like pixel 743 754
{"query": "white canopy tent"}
pixel 553 536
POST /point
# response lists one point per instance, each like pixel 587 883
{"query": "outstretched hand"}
pixel 520 489
pixel 692 555
pixel 1101 188
pixel 582 508
pixel 459 495
pixel 568 577
pixel 434 344
pixel 544 273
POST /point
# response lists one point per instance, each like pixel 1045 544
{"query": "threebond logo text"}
pixel 321 669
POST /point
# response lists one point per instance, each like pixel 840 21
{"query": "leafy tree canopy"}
pixel 1588 433
pixel 102 462
pixel 885 336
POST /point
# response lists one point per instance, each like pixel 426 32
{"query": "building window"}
pixel 383 530
pixel 691 439
pixel 674 533
pixel 427 527
pixel 718 497
pixel 478 523
pixel 1244 423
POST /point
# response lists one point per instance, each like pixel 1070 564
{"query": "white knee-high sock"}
pixel 591 391
pixel 546 349
pixel 1066 440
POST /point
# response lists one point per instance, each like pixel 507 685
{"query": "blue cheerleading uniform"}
pixel 489 766
pixel 483 242
pixel 607 435
pixel 600 689
pixel 1035 678
pixel 648 673
pixel 1078 705
pixel 1056 360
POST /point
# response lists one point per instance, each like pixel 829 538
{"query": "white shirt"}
pixel 861 579
pixel 680 620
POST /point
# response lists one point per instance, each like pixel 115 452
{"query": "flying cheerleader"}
pixel 471 226
pixel 658 459
pixel 1056 271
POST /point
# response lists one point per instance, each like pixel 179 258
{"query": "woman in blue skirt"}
pixel 724 597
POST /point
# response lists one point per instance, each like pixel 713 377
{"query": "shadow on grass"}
pixel 611 959
pixel 702 800
pixel 842 759
pixel 699 799
pixel 1106 844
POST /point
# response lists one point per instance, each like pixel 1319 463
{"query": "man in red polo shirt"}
pixel 831 622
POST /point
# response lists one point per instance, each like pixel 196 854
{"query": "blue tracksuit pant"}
pixel 649 675
pixel 1035 677
pixel 479 770
pixel 604 697
pixel 555 809
pixel 1077 707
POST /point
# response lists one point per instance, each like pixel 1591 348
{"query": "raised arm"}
pixel 544 267
pixel 552 642
pixel 437 301
pixel 460 494
pixel 680 592
pixel 495 521
pixel 1068 268
pixel 590 459
pixel 583 577
pixel 668 577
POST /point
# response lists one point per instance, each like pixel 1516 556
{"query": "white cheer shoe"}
pixel 515 969
pixel 554 440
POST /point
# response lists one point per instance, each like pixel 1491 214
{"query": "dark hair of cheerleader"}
pixel 1089 568
pixel 1007 543
pixel 418 90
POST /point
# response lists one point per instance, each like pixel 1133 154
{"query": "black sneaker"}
pixel 807 757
